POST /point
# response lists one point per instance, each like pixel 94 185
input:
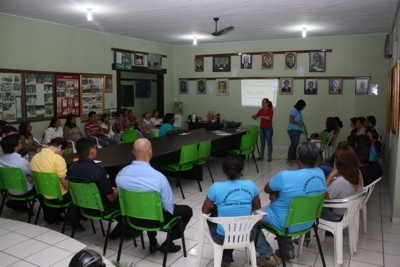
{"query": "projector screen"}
pixel 253 91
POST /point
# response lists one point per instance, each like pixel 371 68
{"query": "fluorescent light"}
pixel 304 33
pixel 89 15
pixel 195 40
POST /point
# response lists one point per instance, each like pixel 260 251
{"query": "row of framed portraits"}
pixel 286 86
pixel 36 96
pixel 222 63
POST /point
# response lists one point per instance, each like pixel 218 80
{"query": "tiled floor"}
pixel 379 247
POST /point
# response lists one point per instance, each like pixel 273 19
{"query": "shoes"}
pixel 154 247
pixel 288 255
pixel 171 249
pixel 269 159
pixel 225 264
pixel 271 261
pixel 17 206
pixel 260 158
pixel 306 241
pixel 116 232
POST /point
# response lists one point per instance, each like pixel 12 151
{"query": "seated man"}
pixel 286 185
pixel 93 129
pixel 141 176
pixel 370 170
pixel 11 146
pixel 86 171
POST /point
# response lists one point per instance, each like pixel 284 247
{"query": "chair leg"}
pixel 180 185
pixel 183 238
pixel 281 251
pixel 121 241
pixel 319 245
pixel 167 248
pixel 75 222
pixel 364 214
pixel 198 181
pixel 255 161
pixel 101 226
pixel 209 170
pixel 30 209
pixel 38 212
pixel 2 202
pixel 106 241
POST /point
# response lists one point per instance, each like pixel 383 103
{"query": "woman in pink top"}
pixel 265 114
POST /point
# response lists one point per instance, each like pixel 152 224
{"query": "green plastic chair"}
pixel 87 198
pixel 47 185
pixel 3 192
pixel 305 131
pixel 254 130
pixel 146 206
pixel 203 155
pixel 303 209
pixel 152 134
pixel 129 136
pixel 14 179
pixel 246 148
pixel 187 161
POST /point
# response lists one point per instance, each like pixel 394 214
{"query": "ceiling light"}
pixel 89 15
pixel 304 33
pixel 195 40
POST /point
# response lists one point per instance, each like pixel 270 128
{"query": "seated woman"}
pixel 235 197
pixel 71 130
pixel 147 119
pixel 330 125
pixel 29 145
pixel 108 128
pixel 120 124
pixel 375 144
pixel 131 119
pixel 168 128
pixel 156 120
pixel 54 130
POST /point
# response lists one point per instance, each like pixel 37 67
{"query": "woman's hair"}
pixel 168 117
pixel 103 116
pixel 353 121
pixel 300 104
pixel 53 122
pixel 154 112
pixel 347 163
pixel 330 124
pixel 23 128
pixel 233 166
pixel 68 121
pixel 338 122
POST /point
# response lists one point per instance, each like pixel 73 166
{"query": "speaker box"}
pixel 389 46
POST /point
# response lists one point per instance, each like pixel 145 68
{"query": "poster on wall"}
pixel 67 95
pixel 10 97
pixel 39 96
pixel 92 95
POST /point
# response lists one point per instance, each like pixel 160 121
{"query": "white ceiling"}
pixel 176 22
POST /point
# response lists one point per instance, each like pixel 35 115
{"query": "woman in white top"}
pixel 108 128
pixel 147 119
pixel 155 120
pixel 53 131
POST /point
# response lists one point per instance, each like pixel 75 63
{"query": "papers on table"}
pixel 221 133
pixel 185 133
pixel 97 161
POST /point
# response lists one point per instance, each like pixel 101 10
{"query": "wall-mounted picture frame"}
pixel 222 87
pixel 143 88
pixel 267 61
pixel 335 86
pixel 310 86
pixel 112 111
pixel 67 95
pixel 290 61
pixel 92 95
pixel 201 86
pixel 198 64
pixel 362 85
pixel 138 59
pixel 246 61
pixel 221 63
pixel 394 122
pixel 39 96
pixel 183 86
pixel 317 61
pixel 10 96
pixel 154 62
pixel 286 86
pixel 108 87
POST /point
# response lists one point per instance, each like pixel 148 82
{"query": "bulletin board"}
pixel 67 94
pixel 92 95
pixel 10 97
pixel 39 96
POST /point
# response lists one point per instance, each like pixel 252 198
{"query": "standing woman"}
pixel 295 129
pixel 265 113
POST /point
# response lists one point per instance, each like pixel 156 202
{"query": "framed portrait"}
pixel 310 86
pixel 335 86
pixel 154 62
pixel 109 85
pixel 290 61
pixel 198 64
pixel 221 63
pixel 183 86
pixel 138 59
pixel 286 86
pixel 317 61
pixel 245 61
pixel 201 86
pixel 267 61
pixel 362 85
pixel 394 121
pixel 92 95
pixel 222 87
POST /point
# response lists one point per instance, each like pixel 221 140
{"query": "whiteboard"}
pixel 253 91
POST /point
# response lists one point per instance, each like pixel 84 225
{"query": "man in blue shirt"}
pixel 307 180
pixel 141 176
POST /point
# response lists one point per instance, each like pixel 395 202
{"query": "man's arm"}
pixel 113 196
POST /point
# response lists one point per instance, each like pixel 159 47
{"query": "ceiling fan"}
pixel 223 31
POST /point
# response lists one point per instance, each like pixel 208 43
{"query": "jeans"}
pixel 263 248
pixel 266 134
pixel 294 136
pixel 105 141
pixel 326 168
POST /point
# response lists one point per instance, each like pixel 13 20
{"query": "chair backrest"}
pixel 352 205
pixel 303 210
pixel 188 157
pixel 305 131
pixel 237 229
pixel 85 195
pixel 141 205
pixel 129 136
pixel 369 188
pixel 253 130
pixel 203 152
pixel 47 184
pixel 13 178
pixel 246 144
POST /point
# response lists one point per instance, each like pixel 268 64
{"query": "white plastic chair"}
pixel 237 235
pixel 72 145
pixel 352 205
